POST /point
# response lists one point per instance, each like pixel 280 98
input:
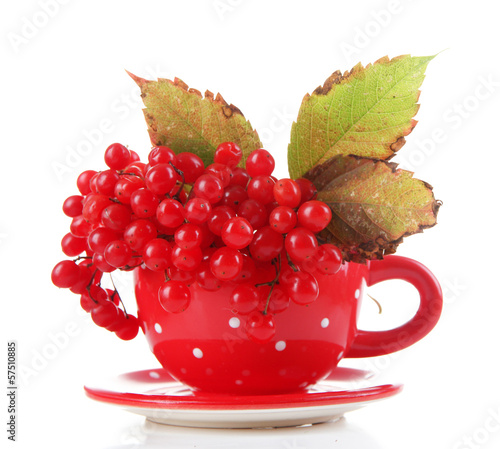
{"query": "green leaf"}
pixel 366 112
pixel 374 205
pixel 180 118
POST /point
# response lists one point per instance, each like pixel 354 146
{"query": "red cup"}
pixel 206 346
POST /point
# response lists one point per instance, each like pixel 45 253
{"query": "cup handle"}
pixel 376 343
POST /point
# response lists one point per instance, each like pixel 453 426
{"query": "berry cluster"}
pixel 210 225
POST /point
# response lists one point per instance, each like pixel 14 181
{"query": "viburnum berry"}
pixel 65 274
pixel 144 203
pixel 73 246
pixel 209 187
pixel 219 216
pixel 287 193
pixel 161 178
pixel 190 165
pixel 278 302
pixel 186 259
pixel 117 156
pixel 240 177
pixel 248 270
pixel 116 217
pixel 106 182
pixel 259 162
pixel 197 210
pixel 233 196
pixel 302 288
pixel 174 296
pixel 314 215
pixel 328 259
pixel 161 155
pixel 126 185
pixel 244 299
pixel 187 277
pixel 261 189
pixel 73 206
pixel 266 244
pixel 259 327
pixel 300 244
pixel 129 328
pixel 100 263
pixel 157 254
pixel 104 314
pixel 83 181
pixel 228 153
pixel 170 213
pixel 93 207
pixel 237 232
pixel 188 236
pixel 283 219
pixel 254 212
pixel 138 233
pixel 223 172
pixel 307 190
pixel 134 157
pixel 80 227
pixel 205 278
pixel 100 238
pixel 118 253
pixel 226 263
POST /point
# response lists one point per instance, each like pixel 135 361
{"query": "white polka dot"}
pixel 198 353
pixel 280 345
pixel 234 322
pixel 238 382
pixel 325 322
pixel 154 375
pixel 356 293
pixel 158 328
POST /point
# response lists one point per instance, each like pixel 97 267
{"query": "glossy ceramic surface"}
pixel 207 349
pixel 157 396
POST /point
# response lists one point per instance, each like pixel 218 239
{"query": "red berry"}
pixel 157 254
pixel 283 219
pixel 65 274
pixel 118 254
pixel 300 244
pixel 254 212
pixel 219 216
pixel 138 233
pixel 314 215
pixel 117 156
pixel 93 207
pixel 209 187
pixel 197 210
pixel 328 259
pixel 266 244
pixel 287 193
pixel 104 314
pixel 226 263
pixel 83 181
pixel 170 213
pixel 188 236
pixel 240 177
pixel 116 217
pixel 73 206
pixel 237 232
pixel 191 166
pixel 261 189
pixel 161 155
pixel 206 279
pixel 228 153
pixel 174 296
pixel 302 287
pixel 244 299
pixel 144 203
pixel 186 259
pixel 233 196
pixel 106 181
pixel 80 227
pixel 307 190
pixel 100 263
pixel 260 328
pixel 73 246
pixel 126 185
pixel 129 330
pixel 260 162
pixel 223 172
pixel 161 178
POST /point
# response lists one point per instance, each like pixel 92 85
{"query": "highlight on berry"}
pixel 211 225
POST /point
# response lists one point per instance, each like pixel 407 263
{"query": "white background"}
pixel 63 76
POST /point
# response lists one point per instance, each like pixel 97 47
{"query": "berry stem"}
pixel 115 292
pixel 181 174
pixel 292 265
